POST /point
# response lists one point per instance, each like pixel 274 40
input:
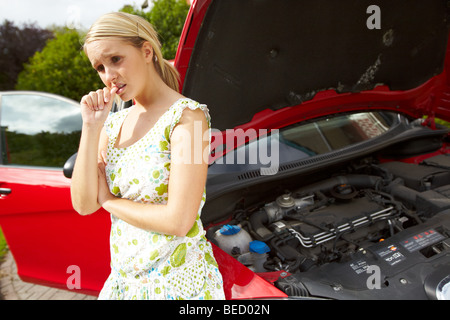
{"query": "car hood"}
pixel 268 63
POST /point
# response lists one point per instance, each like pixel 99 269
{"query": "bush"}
pixel 17 45
pixel 167 17
pixel 61 68
pixel 3 245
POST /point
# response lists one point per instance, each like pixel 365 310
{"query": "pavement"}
pixel 12 288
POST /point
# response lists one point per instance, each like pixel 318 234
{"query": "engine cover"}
pixel 328 223
pixel 403 267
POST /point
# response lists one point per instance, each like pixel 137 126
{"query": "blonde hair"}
pixel 135 30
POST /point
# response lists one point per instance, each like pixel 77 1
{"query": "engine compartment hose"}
pixel 257 222
pixel 359 181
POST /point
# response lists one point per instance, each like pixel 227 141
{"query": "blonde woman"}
pixel 144 166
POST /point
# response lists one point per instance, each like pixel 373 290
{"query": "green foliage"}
pixel 42 149
pixel 442 122
pixel 61 68
pixel 167 17
pixel 17 45
pixel 3 245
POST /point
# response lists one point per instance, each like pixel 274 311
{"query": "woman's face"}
pixel 120 64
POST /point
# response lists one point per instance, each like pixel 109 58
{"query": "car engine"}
pixel 324 239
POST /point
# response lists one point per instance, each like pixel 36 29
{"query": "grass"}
pixel 443 122
pixel 440 121
pixel 3 245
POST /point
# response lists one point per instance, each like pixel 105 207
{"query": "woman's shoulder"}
pixel 177 110
pixel 183 104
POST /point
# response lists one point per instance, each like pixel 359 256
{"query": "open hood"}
pixel 244 57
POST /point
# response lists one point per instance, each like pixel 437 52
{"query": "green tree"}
pixel 167 17
pixel 61 68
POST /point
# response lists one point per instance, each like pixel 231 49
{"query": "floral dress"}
pixel 146 264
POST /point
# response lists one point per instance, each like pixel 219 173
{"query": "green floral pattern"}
pixel 145 264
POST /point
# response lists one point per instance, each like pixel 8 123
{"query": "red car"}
pixel 330 170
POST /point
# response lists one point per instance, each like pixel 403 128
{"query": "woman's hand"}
pixel 96 105
pixel 86 184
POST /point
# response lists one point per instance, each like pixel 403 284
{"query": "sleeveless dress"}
pixel 146 264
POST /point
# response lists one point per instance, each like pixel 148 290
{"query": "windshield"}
pixel 304 140
pixel 332 134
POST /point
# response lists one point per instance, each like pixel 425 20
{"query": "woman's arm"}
pixel 95 108
pixel 186 183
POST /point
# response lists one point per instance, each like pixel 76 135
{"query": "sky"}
pixel 71 13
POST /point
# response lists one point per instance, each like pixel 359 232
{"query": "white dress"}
pixel 145 264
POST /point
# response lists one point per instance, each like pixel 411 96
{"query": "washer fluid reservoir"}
pixel 233 239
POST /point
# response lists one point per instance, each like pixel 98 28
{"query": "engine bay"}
pixel 324 238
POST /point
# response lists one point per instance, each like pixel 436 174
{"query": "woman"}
pixel 158 248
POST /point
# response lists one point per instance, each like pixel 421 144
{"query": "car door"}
pixel 47 238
